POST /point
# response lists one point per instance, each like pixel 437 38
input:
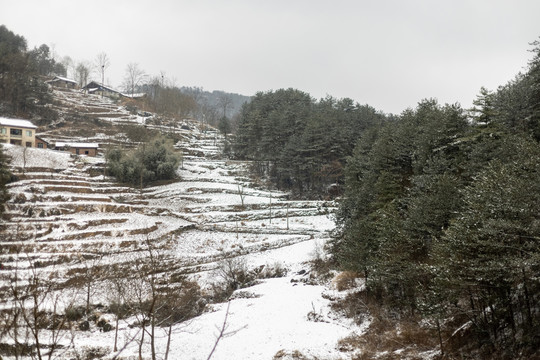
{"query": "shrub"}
pixel 148 163
pixel 345 280
pixel 94 352
pixel 75 313
pixel 234 273
pixel 179 303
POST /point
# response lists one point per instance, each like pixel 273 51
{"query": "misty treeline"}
pixel 217 108
pixel 440 211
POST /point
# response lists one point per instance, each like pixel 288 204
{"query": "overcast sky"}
pixel 389 54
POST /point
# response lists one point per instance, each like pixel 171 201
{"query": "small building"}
pixel 88 149
pixel 63 83
pixel 94 87
pixel 17 132
pixel 42 143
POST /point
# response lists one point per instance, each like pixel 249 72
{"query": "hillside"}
pixel 76 233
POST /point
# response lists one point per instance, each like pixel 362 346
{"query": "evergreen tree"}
pixel 224 126
pixel 20 89
pixel 534 97
pixel 440 214
pixel 5 177
pixel 298 143
pixel 401 193
pixel 490 254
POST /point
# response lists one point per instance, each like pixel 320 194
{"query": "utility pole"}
pixel 270 207
pixel 102 79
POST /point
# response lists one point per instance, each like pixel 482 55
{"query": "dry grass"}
pixel 345 280
pixel 387 339
pixel 291 355
pixel 389 336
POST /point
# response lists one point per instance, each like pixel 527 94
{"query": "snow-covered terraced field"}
pixel 64 219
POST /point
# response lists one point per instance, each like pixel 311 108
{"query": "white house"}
pixel 17 132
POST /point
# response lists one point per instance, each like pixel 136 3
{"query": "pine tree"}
pixel 534 97
pixel 490 253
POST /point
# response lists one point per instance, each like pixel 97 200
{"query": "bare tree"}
pixel 102 63
pixel 69 65
pixel 25 150
pixel 158 302
pixel 135 76
pixel 36 302
pixel 221 332
pixel 90 274
pixel 242 194
pixel 207 112
pixel 224 102
pixel 117 304
pixel 82 72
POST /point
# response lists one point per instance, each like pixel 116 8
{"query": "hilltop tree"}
pixel 44 63
pixel 21 90
pixel 68 63
pixel 134 77
pixel 14 75
pixel 224 102
pixel 102 63
pixel 82 72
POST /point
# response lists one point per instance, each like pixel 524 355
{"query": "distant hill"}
pixel 217 99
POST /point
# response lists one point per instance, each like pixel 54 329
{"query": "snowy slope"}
pixel 62 209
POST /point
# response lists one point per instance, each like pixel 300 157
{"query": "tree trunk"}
pixel 116 335
pixel 527 298
pixel 142 338
pixel 168 342
pixel 440 337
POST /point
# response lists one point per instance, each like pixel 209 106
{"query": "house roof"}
pixel 17 123
pixel 77 145
pixel 134 96
pixel 42 139
pixel 60 78
pixel 94 86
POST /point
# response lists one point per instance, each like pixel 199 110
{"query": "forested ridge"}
pixel 440 212
pixel 301 144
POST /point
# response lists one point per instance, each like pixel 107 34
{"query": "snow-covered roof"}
pixel 60 78
pixel 42 139
pixel 94 86
pixel 77 145
pixel 17 123
pixel 136 95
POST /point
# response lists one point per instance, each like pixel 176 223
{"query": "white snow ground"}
pixel 263 320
